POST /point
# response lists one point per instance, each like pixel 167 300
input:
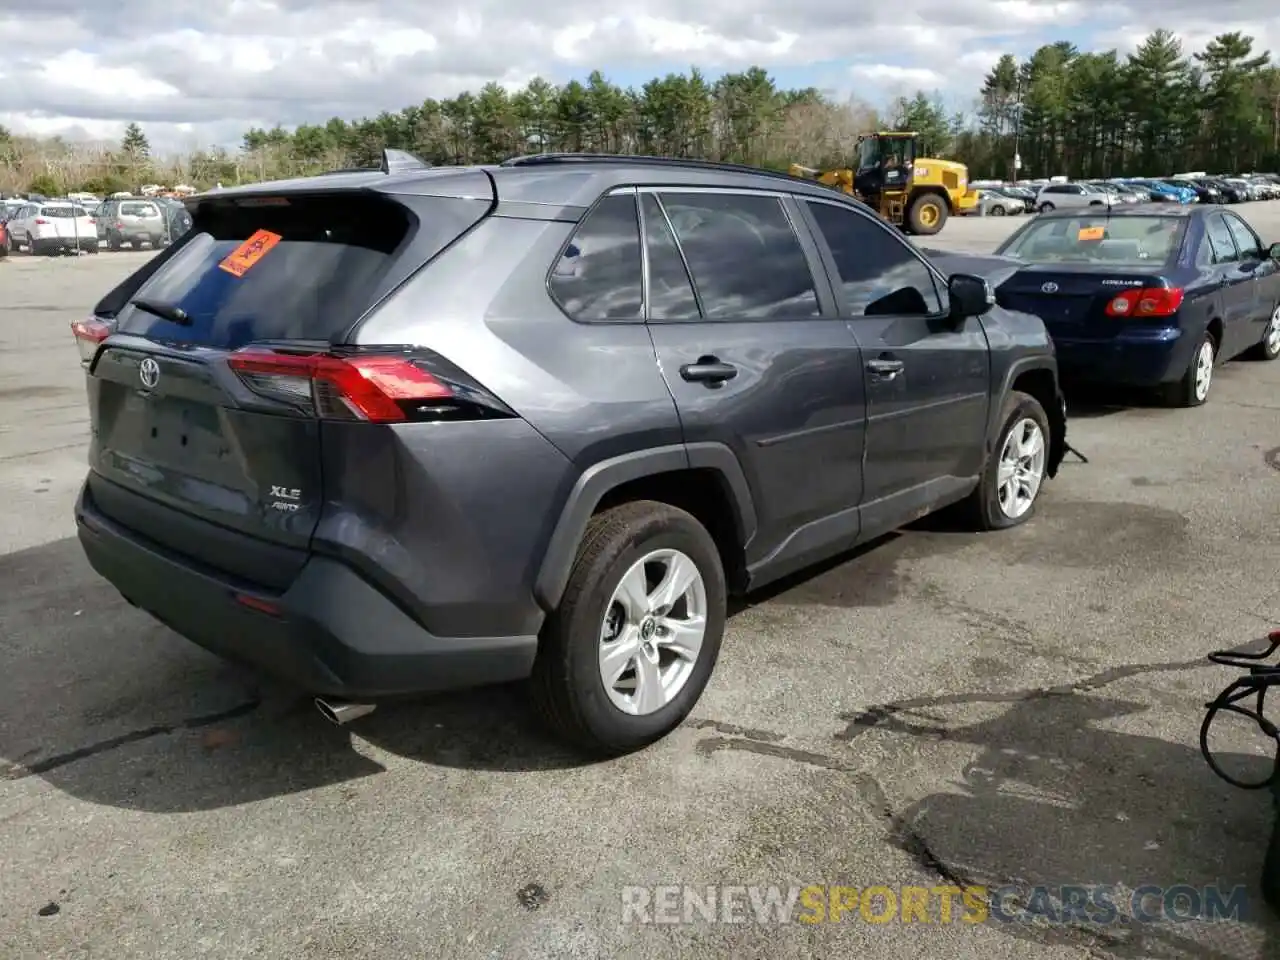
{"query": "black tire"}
pixel 34 248
pixel 1268 348
pixel 113 241
pixel 982 508
pixel 1185 392
pixel 927 215
pixel 566 688
pixel 996 211
pixel 1046 207
pixel 1271 862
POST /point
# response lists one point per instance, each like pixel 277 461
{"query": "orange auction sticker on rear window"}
pixel 244 257
pixel 1091 233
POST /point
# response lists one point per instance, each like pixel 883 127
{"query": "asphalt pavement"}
pixel 940 709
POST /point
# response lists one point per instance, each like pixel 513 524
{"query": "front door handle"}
pixel 709 370
pixel 885 369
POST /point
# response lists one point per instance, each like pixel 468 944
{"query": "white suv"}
pixel 53 226
pixel 1069 196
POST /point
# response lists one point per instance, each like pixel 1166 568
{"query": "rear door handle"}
pixel 708 370
pixel 885 369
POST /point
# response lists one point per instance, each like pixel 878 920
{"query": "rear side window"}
pixel 598 276
pixel 316 266
pixel 671 295
pixel 744 256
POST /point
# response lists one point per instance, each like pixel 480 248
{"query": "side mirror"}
pixel 1274 251
pixel 970 296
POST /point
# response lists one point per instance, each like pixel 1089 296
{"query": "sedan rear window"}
pixel 291 269
pixel 1097 238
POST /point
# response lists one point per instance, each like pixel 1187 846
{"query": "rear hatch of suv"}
pixel 208 390
pixel 65 222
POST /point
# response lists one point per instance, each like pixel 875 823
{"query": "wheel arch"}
pixel 1038 377
pixel 705 479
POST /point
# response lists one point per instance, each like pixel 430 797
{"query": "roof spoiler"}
pixel 401 161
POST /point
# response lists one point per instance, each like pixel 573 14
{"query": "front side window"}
pixel 745 258
pixel 599 277
pixel 1220 242
pixel 1246 240
pixel 879 274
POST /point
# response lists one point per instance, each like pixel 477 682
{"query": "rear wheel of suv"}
pixel 1046 207
pixel 1015 471
pixel 113 241
pixel 630 648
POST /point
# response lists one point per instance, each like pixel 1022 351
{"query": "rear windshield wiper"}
pixel 166 311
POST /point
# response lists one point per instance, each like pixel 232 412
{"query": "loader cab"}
pixel 884 162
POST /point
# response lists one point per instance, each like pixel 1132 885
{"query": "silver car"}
pixel 1068 196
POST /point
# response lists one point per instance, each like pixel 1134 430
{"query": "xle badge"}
pixel 285 499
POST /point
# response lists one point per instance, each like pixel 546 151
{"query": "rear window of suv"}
pixel 323 260
pixel 62 213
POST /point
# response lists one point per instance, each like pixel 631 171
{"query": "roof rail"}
pixel 401 161
pixel 539 159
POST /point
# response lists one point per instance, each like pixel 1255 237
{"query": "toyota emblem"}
pixel 149 373
pixel 1049 287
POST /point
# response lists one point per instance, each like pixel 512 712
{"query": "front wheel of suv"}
pixel 1015 472
pixel 629 650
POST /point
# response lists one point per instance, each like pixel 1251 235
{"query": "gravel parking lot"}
pixel 942 708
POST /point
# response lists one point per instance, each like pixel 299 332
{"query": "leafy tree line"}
pixel 1064 111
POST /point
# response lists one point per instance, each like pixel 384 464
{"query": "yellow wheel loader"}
pixel 917 194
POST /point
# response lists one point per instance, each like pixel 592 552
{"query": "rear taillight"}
pixel 1146 302
pixel 41 222
pixel 119 225
pixel 89 335
pixel 379 389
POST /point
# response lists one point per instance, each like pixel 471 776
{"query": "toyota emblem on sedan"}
pixel 1049 287
pixel 149 373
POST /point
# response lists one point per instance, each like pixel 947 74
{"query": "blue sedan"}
pixel 1148 296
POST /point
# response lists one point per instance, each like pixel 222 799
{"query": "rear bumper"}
pixel 330 632
pixel 1137 358
pixel 88 241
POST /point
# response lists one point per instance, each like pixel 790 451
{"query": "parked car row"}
pixel 1060 193
pixel 43 226
pixel 617 415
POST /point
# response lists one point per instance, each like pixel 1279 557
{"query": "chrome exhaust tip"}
pixel 340 712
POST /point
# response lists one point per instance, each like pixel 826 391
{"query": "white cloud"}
pixel 206 70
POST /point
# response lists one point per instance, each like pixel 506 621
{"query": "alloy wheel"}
pixel 1021 472
pixel 653 631
pixel 1204 370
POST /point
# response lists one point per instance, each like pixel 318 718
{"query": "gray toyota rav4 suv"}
pixel 391 431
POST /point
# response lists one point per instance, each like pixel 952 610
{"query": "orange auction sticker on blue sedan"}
pixel 244 257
